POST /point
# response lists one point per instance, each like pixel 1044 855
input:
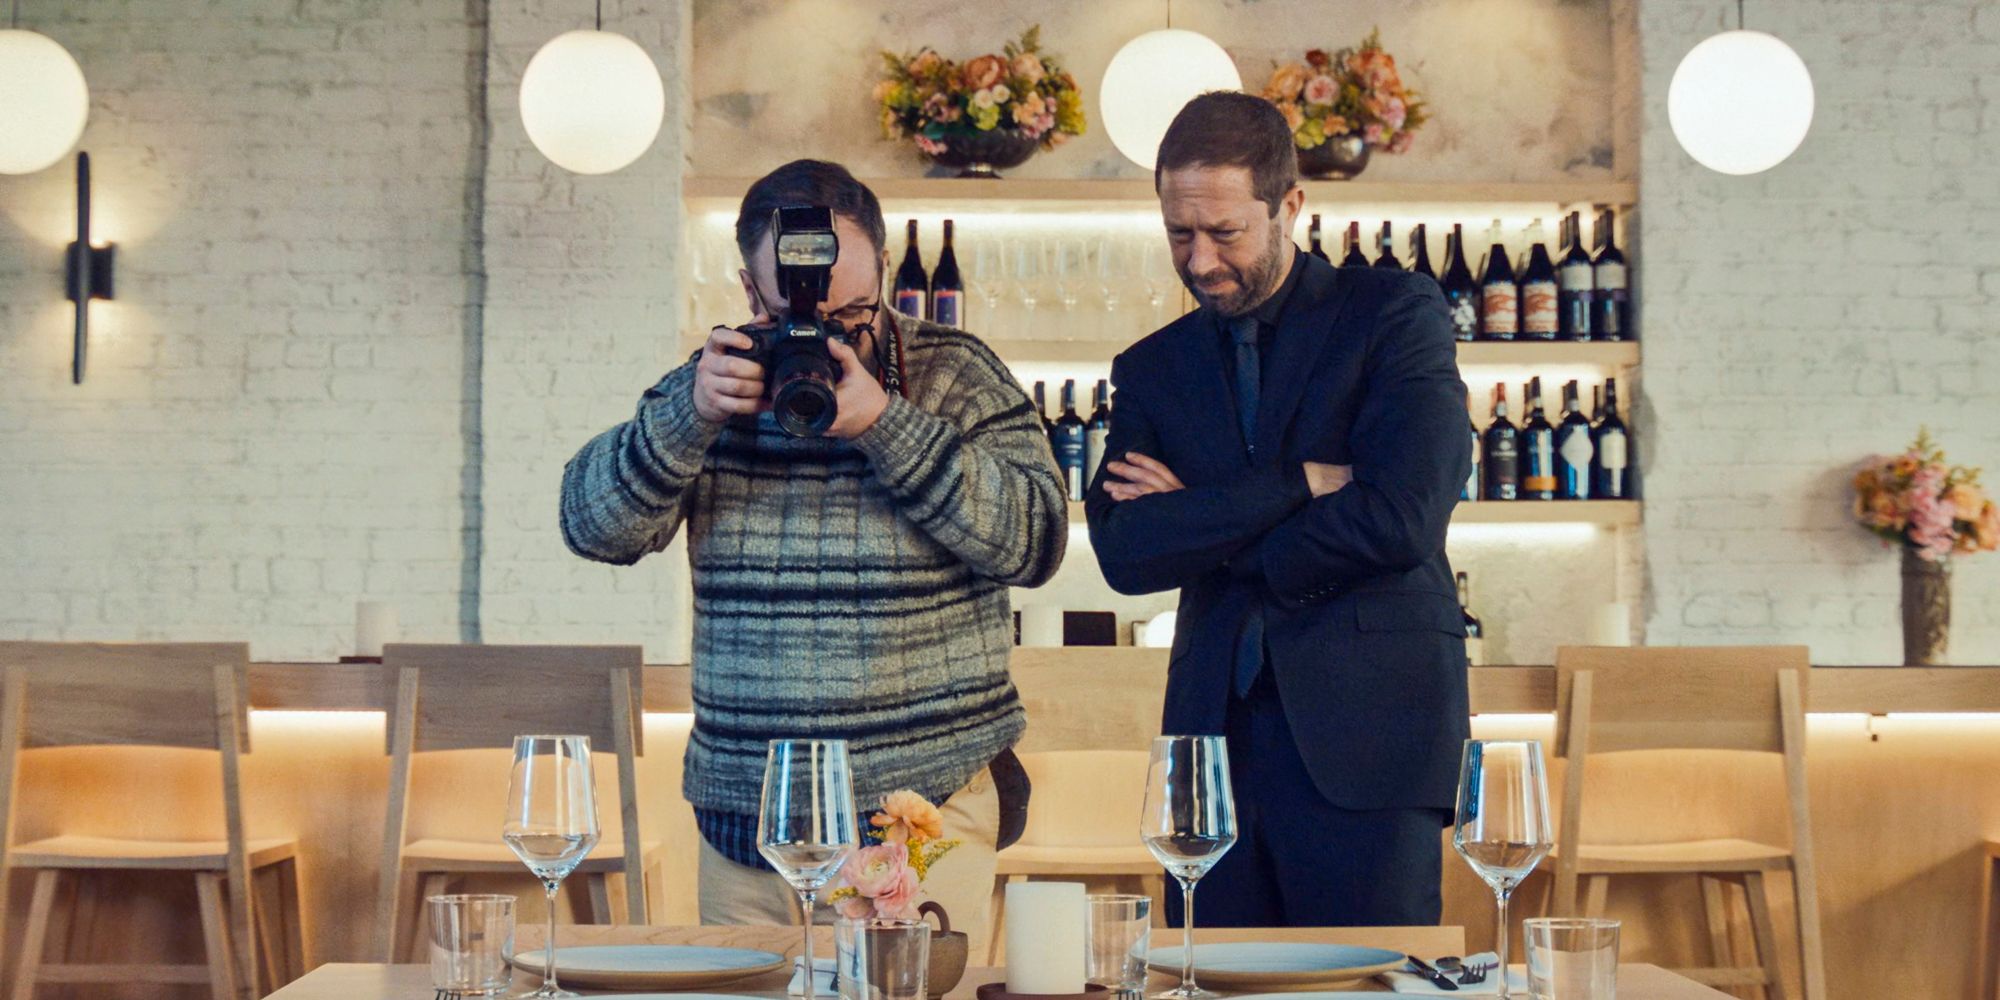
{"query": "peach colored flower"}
pixel 1336 125
pixel 855 907
pixel 1028 110
pixel 883 89
pixel 1293 116
pixel 1966 500
pixel 1987 528
pixel 984 72
pixel 1028 66
pixel 1906 465
pixel 1402 142
pixel 906 815
pixel 1321 90
pixel 1286 82
pixel 1372 134
pixel 926 63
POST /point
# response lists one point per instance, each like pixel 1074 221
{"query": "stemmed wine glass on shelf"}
pixel 1502 823
pixel 1189 823
pixel 551 823
pixel 807 825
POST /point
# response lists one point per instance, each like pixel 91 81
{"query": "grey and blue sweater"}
pixel 853 590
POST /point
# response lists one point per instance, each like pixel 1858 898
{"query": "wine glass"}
pixel 1189 823
pixel 1502 826
pixel 1027 273
pixel 807 826
pixel 551 822
pixel 986 281
pixel 1110 280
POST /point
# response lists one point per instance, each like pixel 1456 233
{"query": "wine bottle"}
pixel 912 285
pixel 1096 431
pixel 1611 458
pixel 1475 631
pixel 1312 233
pixel 1538 446
pixel 1574 449
pixel 1461 293
pixel 1612 304
pixel 1420 252
pixel 1596 406
pixel 1042 412
pixel 1387 246
pixel 1069 441
pixel 1502 467
pixel 1575 283
pixel 1538 289
pixel 1499 295
pixel 947 288
pixel 1353 257
pixel 1471 491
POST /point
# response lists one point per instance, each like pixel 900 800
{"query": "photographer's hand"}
pixel 726 385
pixel 861 399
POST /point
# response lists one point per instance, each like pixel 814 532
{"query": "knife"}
pixel 1430 972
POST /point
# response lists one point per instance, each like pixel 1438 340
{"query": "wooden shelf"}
pixel 1604 513
pixel 908 193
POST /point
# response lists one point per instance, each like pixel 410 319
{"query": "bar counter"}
pixel 1904 764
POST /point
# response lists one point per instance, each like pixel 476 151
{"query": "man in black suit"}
pixel 1288 455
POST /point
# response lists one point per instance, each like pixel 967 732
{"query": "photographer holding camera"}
pixel 860 489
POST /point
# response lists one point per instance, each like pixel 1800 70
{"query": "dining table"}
pixel 372 981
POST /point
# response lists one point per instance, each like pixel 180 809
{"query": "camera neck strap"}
pixel 890 353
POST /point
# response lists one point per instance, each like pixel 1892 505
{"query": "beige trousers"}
pixel 962 883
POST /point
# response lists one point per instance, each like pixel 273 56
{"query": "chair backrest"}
pixel 471 697
pixel 1085 798
pixel 133 694
pixel 1676 698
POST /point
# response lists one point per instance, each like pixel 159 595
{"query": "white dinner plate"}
pixel 653 966
pixel 1272 965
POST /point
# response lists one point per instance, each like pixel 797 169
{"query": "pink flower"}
pixel 1028 66
pixel 930 147
pixel 1931 529
pixel 872 871
pixel 1401 143
pixel 855 907
pixel 1372 134
pixel 899 900
pixel 1028 110
pixel 1394 112
pixel 1321 90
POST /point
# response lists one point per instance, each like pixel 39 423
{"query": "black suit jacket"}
pixel 1362 623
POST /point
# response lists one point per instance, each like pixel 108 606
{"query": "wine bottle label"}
pixel 945 303
pixel 1538 308
pixel 1576 278
pixel 1464 314
pixel 1611 451
pixel 1475 652
pixel 1500 309
pixel 1093 453
pixel 1610 275
pixel 1576 451
pixel 910 302
pixel 1540 475
pixel 1075 477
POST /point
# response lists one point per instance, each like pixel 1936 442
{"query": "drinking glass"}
pixel 1502 824
pixel 807 825
pixel 471 938
pixel 551 822
pixel 1027 274
pixel 1572 959
pixel 1120 929
pixel 882 958
pixel 987 281
pixel 1189 823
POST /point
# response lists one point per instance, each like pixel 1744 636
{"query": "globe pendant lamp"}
pixel 1741 101
pixel 44 101
pixel 1151 79
pixel 592 101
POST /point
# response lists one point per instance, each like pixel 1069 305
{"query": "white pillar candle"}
pixel 1045 938
pixel 1611 624
pixel 374 624
pixel 1041 625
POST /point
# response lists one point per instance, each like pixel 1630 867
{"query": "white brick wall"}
pixel 1799 320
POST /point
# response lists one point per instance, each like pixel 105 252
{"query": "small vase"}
pixel 1337 159
pixel 985 154
pixel 948 952
pixel 1926 610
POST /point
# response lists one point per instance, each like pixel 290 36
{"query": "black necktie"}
pixel 1250 641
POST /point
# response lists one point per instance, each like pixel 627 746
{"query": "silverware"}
pixel 1430 972
pixel 1450 965
pixel 1476 973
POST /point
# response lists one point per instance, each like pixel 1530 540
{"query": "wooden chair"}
pixel 1989 921
pixel 480 697
pixel 1736 698
pixel 1082 821
pixel 189 695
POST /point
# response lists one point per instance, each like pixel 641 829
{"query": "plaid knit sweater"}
pixel 848 590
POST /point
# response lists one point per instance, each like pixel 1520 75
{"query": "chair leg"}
pixel 215 935
pixel 1766 934
pixel 35 936
pixel 600 898
pixel 1716 906
pixel 1989 941
pixel 1596 888
pixel 288 909
pixel 269 935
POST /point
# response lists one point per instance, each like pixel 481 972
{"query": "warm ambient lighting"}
pixel 87 271
pixel 1151 79
pixel 1740 102
pixel 592 101
pixel 43 102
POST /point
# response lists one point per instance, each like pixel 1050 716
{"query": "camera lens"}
pixel 803 401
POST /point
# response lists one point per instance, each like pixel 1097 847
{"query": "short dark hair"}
pixel 808 182
pixel 1228 128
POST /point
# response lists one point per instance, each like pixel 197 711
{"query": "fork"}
pixel 1473 975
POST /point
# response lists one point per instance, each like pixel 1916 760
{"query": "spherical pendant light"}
pixel 1740 102
pixel 592 101
pixel 1151 79
pixel 43 101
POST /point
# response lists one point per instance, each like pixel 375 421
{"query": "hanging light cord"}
pixel 1170 12
pixel 1739 14
pixel 600 13
pixel 17 15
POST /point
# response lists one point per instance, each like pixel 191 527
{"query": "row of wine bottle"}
pixel 1581 456
pixel 938 296
pixel 1078 443
pixel 1583 296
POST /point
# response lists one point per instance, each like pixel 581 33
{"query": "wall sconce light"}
pixel 87 270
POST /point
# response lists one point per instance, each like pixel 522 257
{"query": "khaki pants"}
pixel 962 883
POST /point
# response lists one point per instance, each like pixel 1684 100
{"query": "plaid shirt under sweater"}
pixel 843 590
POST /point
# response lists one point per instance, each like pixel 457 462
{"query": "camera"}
pixel 799 370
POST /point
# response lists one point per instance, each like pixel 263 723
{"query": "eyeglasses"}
pixel 858 319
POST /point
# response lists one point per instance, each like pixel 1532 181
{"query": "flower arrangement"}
pixel 1353 91
pixel 884 879
pixel 932 100
pixel 1920 500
